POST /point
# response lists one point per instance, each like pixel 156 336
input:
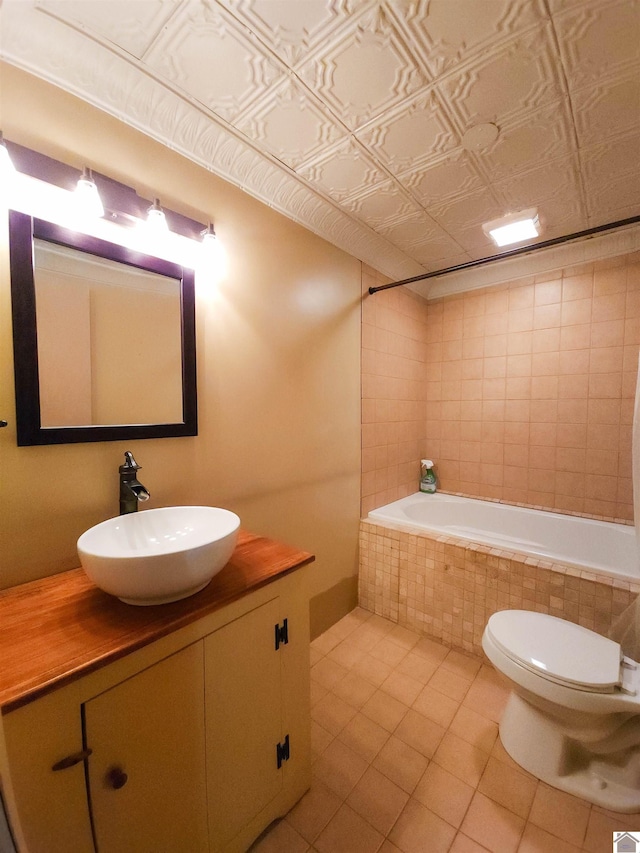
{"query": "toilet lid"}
pixel 557 650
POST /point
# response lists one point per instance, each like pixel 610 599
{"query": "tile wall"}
pixel 394 351
pixel 521 392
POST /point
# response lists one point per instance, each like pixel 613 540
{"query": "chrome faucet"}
pixel 131 491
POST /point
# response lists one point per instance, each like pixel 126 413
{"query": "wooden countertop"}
pixel 62 627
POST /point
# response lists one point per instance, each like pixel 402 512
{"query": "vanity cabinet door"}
pixel 243 721
pixel 146 779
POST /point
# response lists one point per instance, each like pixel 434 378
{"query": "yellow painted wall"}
pixel 278 373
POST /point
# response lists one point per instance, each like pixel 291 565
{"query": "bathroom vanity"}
pixel 183 726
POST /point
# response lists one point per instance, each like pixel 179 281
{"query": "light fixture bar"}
pixel 122 203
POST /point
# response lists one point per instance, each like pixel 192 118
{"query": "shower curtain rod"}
pixel 523 250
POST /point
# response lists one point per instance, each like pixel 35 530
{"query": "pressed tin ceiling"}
pixel 349 116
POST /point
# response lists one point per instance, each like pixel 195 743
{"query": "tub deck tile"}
pixel 448 590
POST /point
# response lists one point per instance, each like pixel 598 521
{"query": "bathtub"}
pixel 601 547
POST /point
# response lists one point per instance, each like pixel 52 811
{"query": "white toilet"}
pixel 573 716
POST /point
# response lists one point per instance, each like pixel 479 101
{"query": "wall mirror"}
pixel 104 338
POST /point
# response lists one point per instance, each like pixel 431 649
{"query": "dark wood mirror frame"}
pixel 22 231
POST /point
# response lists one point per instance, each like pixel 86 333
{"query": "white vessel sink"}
pixel 159 555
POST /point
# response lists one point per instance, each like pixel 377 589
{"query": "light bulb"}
pixel 88 198
pixel 156 220
pixel 515 232
pixel 209 238
pixel 514 227
pixel 213 262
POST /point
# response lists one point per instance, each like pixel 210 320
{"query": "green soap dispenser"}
pixel 427 476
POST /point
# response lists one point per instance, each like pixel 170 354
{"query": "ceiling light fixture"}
pixel 87 196
pixel 514 228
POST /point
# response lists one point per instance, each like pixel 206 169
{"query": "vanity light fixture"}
pixel 514 228
pixel 6 165
pixel 213 260
pixel 87 196
pixel 156 220
pixel 39 186
pixel 209 237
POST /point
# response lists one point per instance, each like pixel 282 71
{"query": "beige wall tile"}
pixel 575 337
pixel 521 297
pixel 576 312
pixel 577 287
pixel 609 281
pixel 550 364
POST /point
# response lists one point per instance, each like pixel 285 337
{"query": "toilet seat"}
pixel 573 713
pixel 558 650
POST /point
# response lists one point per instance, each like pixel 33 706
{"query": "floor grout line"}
pixel 489 816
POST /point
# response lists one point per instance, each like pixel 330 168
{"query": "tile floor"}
pixel 406 757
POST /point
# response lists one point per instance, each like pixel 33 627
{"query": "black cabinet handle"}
pixel 72 760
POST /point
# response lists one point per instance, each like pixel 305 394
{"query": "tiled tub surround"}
pixel 520 391
pixel 594 545
pixel 394 350
pixel 447 589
